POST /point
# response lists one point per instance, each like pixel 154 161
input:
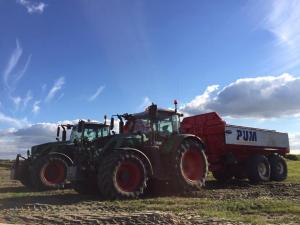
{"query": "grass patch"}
pixel 293 171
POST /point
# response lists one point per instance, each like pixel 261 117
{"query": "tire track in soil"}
pixel 96 213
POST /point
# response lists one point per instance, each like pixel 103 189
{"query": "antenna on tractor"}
pixel 175 103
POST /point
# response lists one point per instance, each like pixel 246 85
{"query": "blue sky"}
pixel 64 60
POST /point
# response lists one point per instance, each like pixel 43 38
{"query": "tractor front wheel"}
pixel 191 166
pixel 49 172
pixel 122 174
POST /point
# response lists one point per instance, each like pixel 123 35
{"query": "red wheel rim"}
pixel 128 176
pixel 54 172
pixel 192 165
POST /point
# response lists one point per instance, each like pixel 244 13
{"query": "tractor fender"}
pixel 174 141
pixel 66 157
pixel 141 154
pixel 199 140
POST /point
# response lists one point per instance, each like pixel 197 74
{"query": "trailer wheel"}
pixel 278 168
pixel 258 169
pixel 191 166
pixel 122 175
pixel 49 172
pixel 222 176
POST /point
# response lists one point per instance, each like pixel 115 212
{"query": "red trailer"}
pixel 240 152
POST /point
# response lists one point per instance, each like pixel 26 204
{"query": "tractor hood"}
pixel 39 149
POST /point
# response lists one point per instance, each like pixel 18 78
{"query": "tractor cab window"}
pixel 90 133
pixel 75 135
pixel 103 132
pixel 168 125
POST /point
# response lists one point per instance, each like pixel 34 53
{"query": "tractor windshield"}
pixel 167 125
pixel 164 124
pixel 90 132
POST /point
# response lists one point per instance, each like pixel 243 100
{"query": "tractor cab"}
pixel 89 131
pixel 83 130
pixel 154 124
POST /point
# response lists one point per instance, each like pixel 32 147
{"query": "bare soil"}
pixel 19 205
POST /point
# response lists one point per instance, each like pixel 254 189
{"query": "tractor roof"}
pixel 161 114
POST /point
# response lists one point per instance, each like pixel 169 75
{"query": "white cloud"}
pixel 295 142
pixel 36 107
pixel 15 141
pixel 283 21
pixel 17 101
pixel 23 71
pixel 14 122
pixel 22 101
pixel 19 140
pixel 27 99
pixel 281 18
pixel 260 97
pixel 96 94
pixel 55 89
pixel 12 63
pixel 145 103
pixel 33 7
pixel 10 75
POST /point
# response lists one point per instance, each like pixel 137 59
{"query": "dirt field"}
pixel 235 203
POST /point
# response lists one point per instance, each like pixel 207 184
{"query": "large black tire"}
pixel 190 166
pixel 278 168
pixel 258 168
pixel 122 175
pixel 222 176
pixel 49 172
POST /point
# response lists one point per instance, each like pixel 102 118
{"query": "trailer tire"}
pixel 258 168
pixel 42 176
pixel 190 166
pixel 278 168
pixel 122 175
pixel 222 176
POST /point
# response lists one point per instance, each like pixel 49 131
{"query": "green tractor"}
pixel 46 165
pixel 149 147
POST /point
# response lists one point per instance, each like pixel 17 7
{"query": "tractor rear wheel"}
pixel 49 172
pixel 278 168
pixel 258 169
pixel 122 174
pixel 191 166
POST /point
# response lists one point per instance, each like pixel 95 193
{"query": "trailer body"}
pixel 229 147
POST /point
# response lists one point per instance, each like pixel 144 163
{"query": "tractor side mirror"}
pixel 112 123
pixel 80 126
pixel 64 135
